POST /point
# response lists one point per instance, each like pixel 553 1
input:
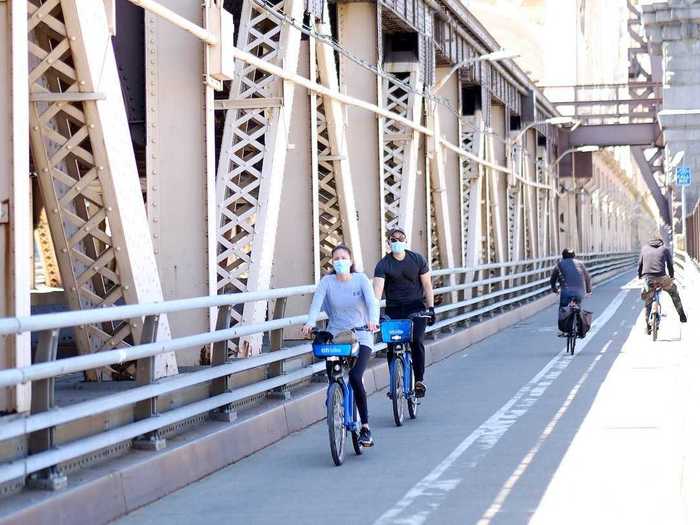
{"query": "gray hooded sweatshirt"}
pixel 654 259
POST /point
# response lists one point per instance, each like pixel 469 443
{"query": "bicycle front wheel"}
pixel 397 392
pixel 335 417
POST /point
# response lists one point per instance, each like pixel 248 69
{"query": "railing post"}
pixel 219 355
pixel 276 341
pixel 145 375
pixel 42 400
pixel 277 336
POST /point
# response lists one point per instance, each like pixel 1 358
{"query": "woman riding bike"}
pixel 348 299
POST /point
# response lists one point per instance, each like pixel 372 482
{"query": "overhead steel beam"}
pixel 659 197
pixel 615 135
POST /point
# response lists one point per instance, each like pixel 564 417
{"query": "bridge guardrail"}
pixel 481 292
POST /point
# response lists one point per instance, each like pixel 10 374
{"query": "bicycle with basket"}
pixel 574 323
pixel 341 409
pixel 398 334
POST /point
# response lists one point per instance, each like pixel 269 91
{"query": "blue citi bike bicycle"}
pixel 341 409
pixel 398 334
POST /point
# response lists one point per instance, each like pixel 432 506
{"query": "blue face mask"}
pixel 398 247
pixel 342 266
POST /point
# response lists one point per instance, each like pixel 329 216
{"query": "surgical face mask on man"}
pixel 398 246
pixel 342 266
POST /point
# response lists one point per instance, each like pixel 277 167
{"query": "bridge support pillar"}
pixel 362 144
pixel 15 198
pixel 673 31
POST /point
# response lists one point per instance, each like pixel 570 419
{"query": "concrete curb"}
pixel 124 484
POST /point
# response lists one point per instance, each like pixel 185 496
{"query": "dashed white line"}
pixel 424 497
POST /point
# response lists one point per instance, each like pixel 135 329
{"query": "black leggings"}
pixel 417 345
pixel 356 373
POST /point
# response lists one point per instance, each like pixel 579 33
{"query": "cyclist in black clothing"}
pixel 404 277
pixel 570 279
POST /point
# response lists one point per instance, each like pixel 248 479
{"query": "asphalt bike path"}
pixel 498 420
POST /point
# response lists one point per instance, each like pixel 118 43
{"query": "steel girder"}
pixel 88 177
pixel 252 158
pixel 399 147
pixel 335 212
pixel 649 159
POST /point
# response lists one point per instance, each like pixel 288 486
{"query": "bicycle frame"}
pixel 404 353
pixel 656 302
pixel 348 398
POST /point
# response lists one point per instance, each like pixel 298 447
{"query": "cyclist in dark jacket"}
pixel 572 277
pixel 654 259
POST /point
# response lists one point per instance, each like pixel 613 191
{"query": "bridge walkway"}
pixel 512 430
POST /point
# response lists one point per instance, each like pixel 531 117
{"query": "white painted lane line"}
pixel 508 486
pixel 426 495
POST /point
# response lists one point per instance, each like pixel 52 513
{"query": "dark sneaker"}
pixel 684 319
pixel 365 439
pixel 420 389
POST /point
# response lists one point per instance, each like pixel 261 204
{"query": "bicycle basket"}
pixel 397 331
pixel 344 344
pixel 335 350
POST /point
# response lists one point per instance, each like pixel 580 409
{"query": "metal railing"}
pixel 471 294
pixel 687 269
pixel 632 103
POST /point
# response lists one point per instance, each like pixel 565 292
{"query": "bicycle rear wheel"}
pixel 655 326
pixel 335 418
pixel 411 400
pixel 397 392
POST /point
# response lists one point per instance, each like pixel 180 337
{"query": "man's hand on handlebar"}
pixel 372 327
pixel 431 313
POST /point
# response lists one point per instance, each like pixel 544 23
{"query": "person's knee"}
pixel 356 379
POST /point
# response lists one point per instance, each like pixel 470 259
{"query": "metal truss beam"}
pixel 88 176
pixel 436 162
pixel 615 135
pixel 399 148
pixel 253 154
pixel 335 211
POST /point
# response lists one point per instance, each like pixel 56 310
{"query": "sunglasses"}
pixel 397 239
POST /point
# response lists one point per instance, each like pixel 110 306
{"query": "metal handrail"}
pixel 58 416
pixel 17 376
pixel 77 411
pixel 36 323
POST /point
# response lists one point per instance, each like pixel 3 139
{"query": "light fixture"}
pixel 501 54
pixel 561 121
pixel 587 149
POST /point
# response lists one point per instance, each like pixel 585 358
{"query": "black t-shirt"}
pixel 402 284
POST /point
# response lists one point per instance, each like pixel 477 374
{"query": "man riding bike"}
pixel 570 279
pixel 404 277
pixel 654 258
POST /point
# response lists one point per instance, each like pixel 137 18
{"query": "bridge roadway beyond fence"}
pixel 262 399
